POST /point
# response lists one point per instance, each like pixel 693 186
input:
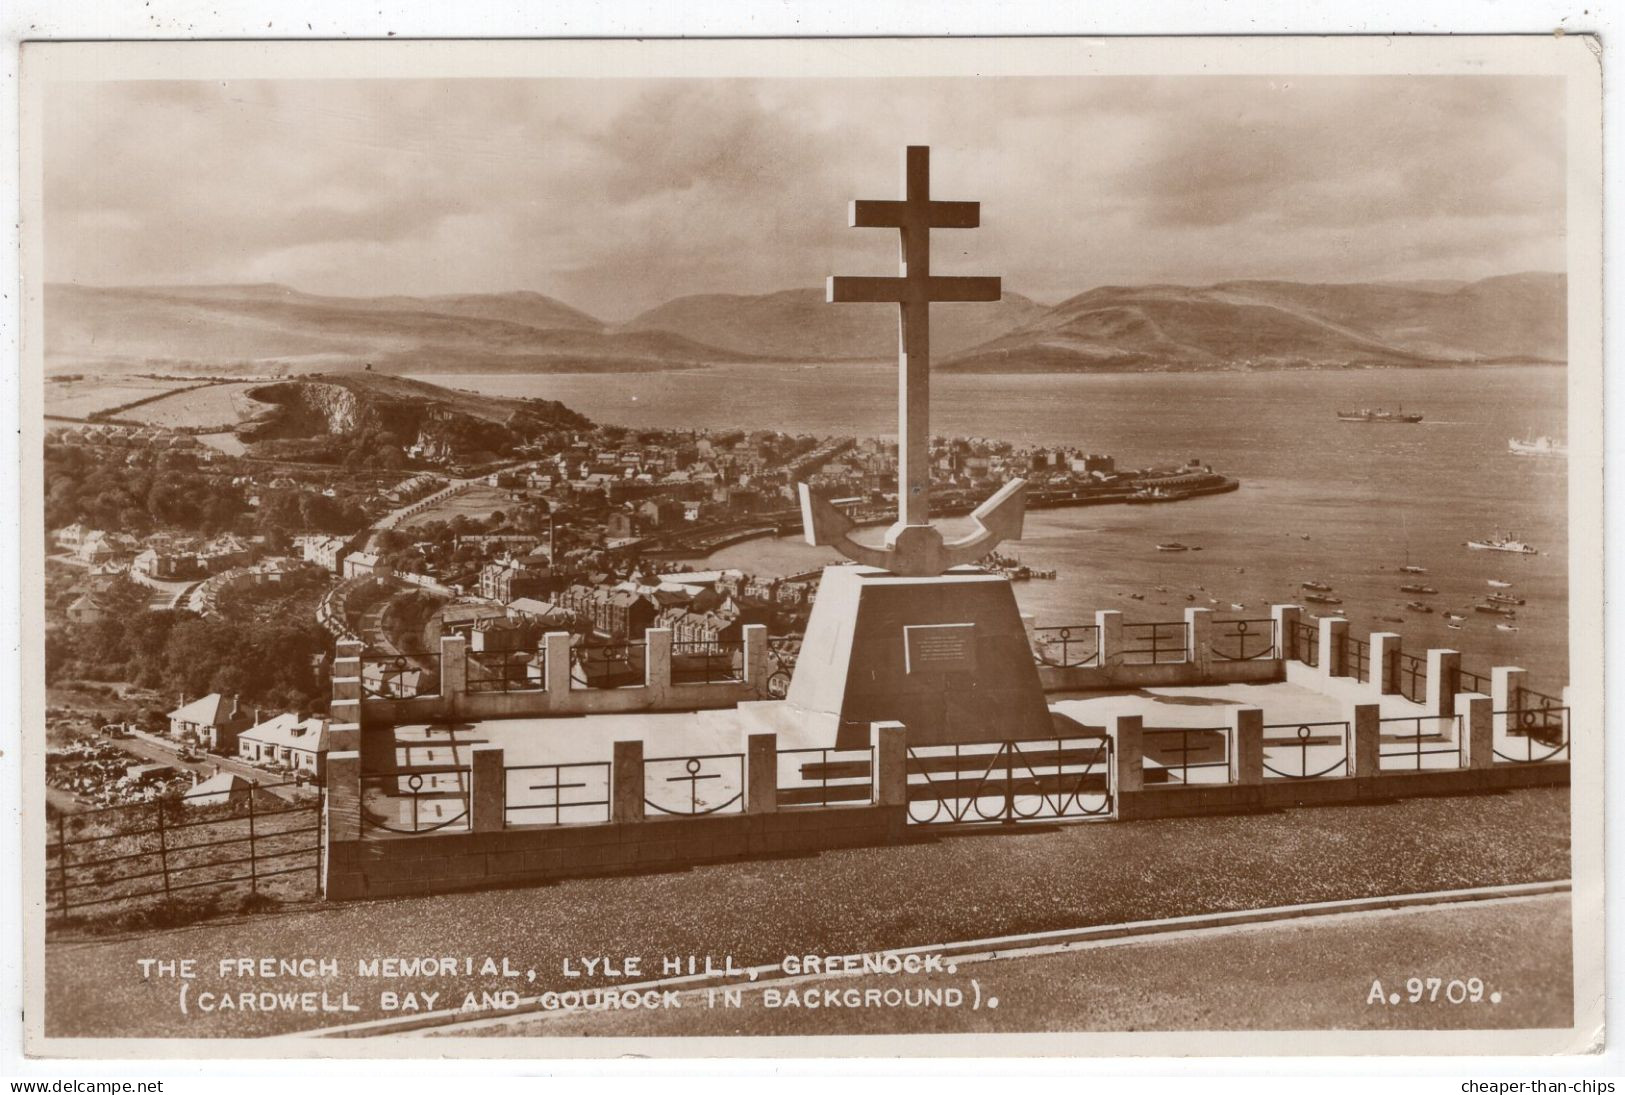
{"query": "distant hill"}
pixel 1279 324
pixel 276 329
pixel 799 324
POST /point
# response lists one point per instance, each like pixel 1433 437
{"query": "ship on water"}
pixel 1502 542
pixel 1537 446
pixel 1378 414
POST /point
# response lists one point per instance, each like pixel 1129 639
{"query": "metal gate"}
pixel 1009 782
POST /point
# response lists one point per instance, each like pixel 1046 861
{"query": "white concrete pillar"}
pixel 1128 754
pixel 488 790
pixel 657 659
pixel 453 669
pixel 762 774
pixel 1506 696
pixel 1246 746
pixel 1109 631
pixel 1444 678
pixel 757 668
pixel 1286 619
pixel 1384 653
pixel 626 782
pixel 557 646
pixel 1199 638
pixel 1365 740
pixel 890 740
pixel 1477 730
pixel 1334 647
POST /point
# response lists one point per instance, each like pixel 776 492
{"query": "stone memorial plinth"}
pixel 946 656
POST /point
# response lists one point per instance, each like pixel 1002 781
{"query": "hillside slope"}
pixel 799 324
pixel 1273 324
pixel 275 329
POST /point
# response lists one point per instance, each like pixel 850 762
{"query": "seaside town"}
pixel 194 595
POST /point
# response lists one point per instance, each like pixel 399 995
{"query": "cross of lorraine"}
pixel 913 547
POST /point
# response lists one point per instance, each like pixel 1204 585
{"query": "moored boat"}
pixel 1418 606
pixel 1322 599
pixel 1504 599
pixel 1317 586
pixel 1496 583
pixel 1502 542
pixel 1494 610
pixel 1415 588
pixel 1378 414
pixel 1173 545
pixel 1537 446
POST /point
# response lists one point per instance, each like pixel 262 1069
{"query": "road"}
pixel 969 885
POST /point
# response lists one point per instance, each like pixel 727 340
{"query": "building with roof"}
pixel 220 789
pixel 288 740
pixel 209 720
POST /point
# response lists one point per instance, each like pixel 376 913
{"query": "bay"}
pixel 1343 503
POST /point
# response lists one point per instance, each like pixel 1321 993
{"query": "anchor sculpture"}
pixel 913 547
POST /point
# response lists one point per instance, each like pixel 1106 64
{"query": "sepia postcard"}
pixel 812 547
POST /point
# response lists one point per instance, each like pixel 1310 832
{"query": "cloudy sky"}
pixel 615 195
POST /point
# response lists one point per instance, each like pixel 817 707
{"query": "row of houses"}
pixel 294 741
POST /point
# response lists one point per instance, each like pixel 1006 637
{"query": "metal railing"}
pixel 1299 740
pixel 506 671
pixel 1474 682
pixel 1359 659
pixel 1068 646
pixel 1306 637
pixel 1185 749
pixel 524 782
pixel 1545 727
pixel 248 837
pixel 421 799
pixel 1155 643
pixel 1418 730
pixel 400 676
pixel 1009 782
pixel 708 662
pixel 616 665
pixel 1242 640
pixel 1413 678
pixel 826 777
pixel 691 778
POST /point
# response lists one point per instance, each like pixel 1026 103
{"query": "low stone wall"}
pixel 435 863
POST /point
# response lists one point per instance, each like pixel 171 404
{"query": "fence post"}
pixel 890 740
pixel 626 793
pixel 1477 731
pixel 557 645
pixel 1128 774
pixel 1444 679
pixel 762 774
pixel 1199 638
pixel 344 708
pixel 342 803
pixel 253 865
pixel 489 793
pixel 1506 693
pixel 1384 654
pixel 1334 647
pixel 1365 740
pixel 756 663
pixel 453 671
pixel 1247 746
pixel 1285 619
pixel 163 847
pixel 657 660
pixel 1109 633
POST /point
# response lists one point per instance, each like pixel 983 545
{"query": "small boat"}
pixel 1378 414
pixel 1505 627
pixel 1537 446
pixel 1190 596
pixel 1418 606
pixel 1456 616
pixel 1237 606
pixel 1172 545
pixel 1409 568
pixel 1415 588
pixel 1504 599
pixel 1322 599
pixel 1502 542
pixel 1160 589
pixel 1137 596
pixel 1392 619
pixel 1496 583
pixel 1303 536
pixel 1318 587
pixel 1453 627
pixel 1494 610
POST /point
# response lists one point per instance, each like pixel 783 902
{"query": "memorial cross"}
pixel 913 547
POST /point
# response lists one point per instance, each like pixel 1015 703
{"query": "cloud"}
pixel 615 195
